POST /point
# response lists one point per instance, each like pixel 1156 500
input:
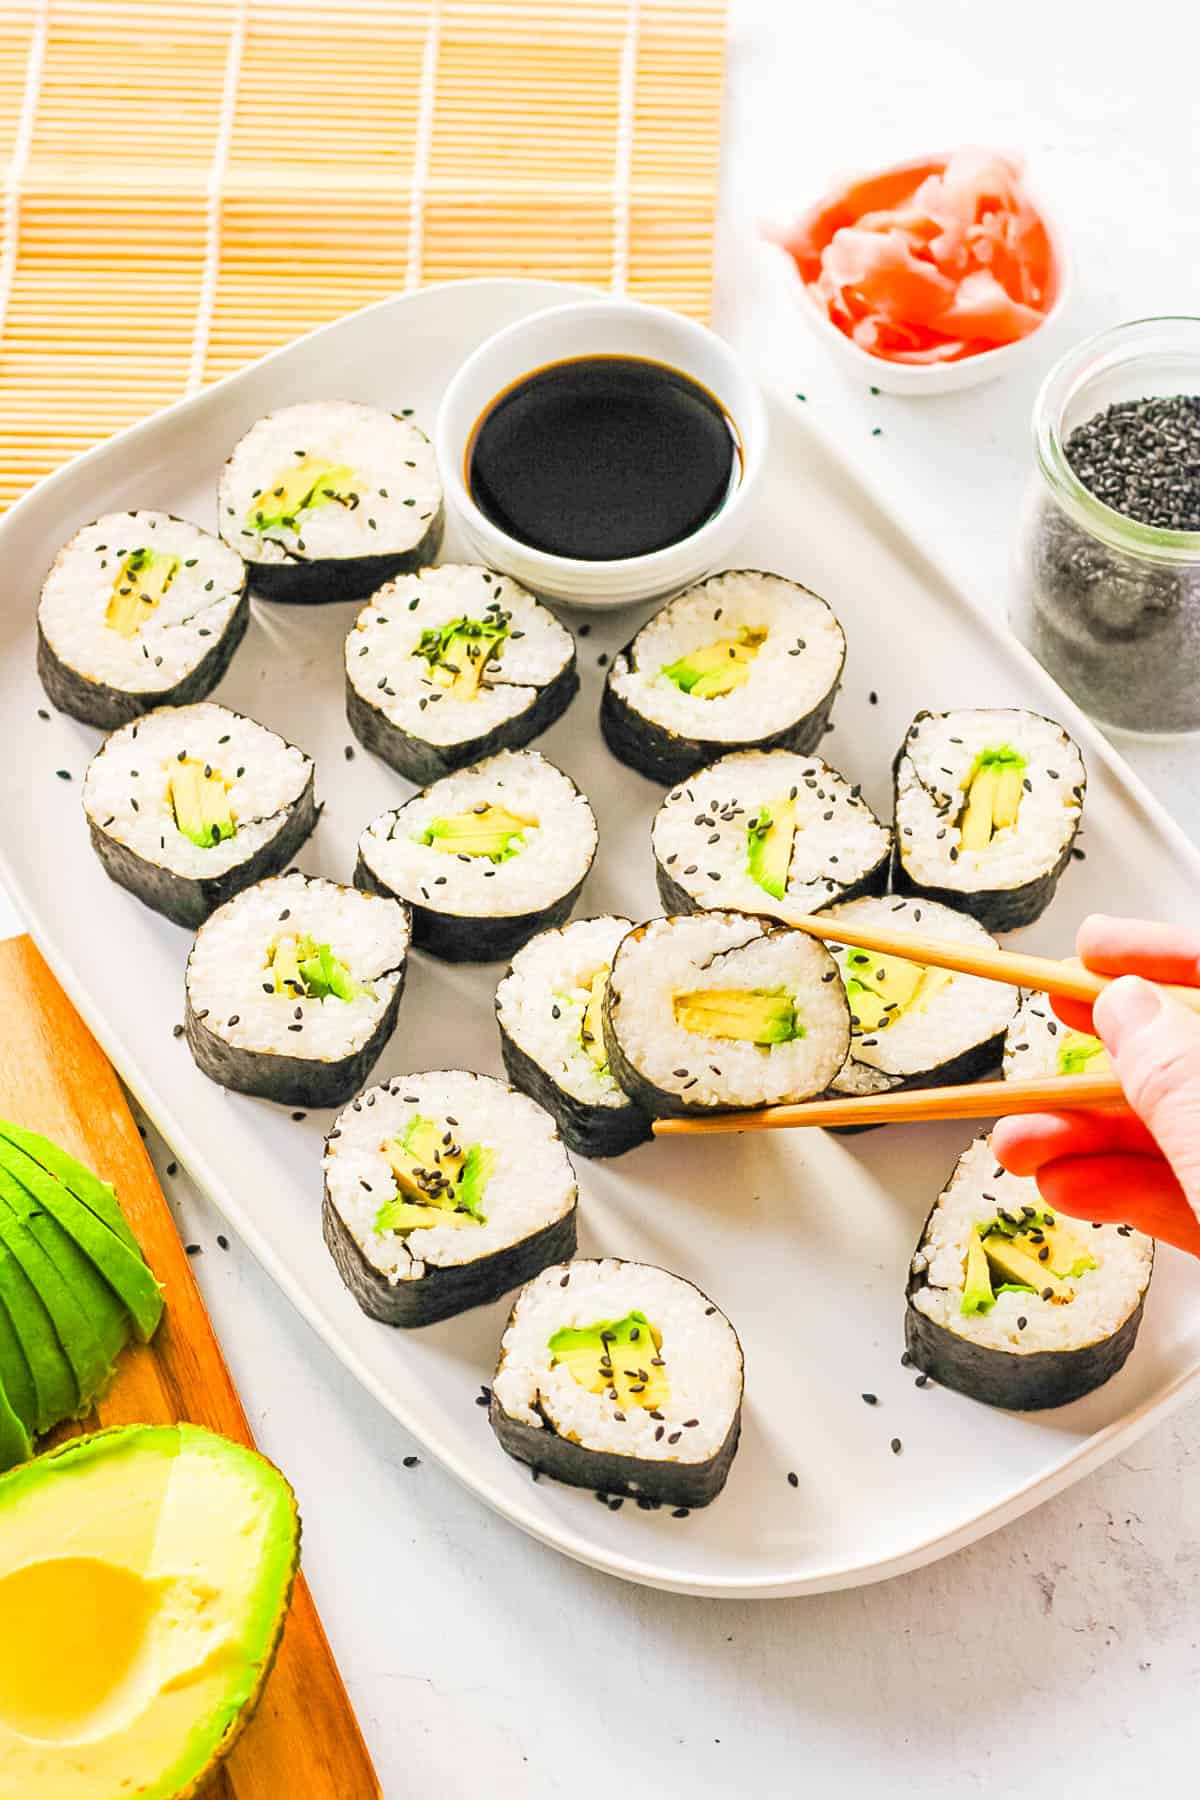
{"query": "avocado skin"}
pixel 422 762
pixel 98 704
pixel 188 900
pixel 592 1131
pixel 299 582
pixel 290 1080
pixel 1021 1381
pixel 441 1293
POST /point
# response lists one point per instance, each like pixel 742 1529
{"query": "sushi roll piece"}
pixel 620 1377
pixel 328 499
pixel 486 858
pixel 718 1010
pixel 744 660
pixel 190 804
pixel 912 1026
pixel 767 831
pixel 987 806
pixel 293 988
pixel 550 1009
pixel 1013 1305
pixel 139 610
pixel 1038 1043
pixel 444 1191
pixel 453 664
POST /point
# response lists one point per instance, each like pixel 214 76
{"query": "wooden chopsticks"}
pixel 1046 975
pixel 976 1100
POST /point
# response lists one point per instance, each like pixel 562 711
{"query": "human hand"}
pixel 1139 1166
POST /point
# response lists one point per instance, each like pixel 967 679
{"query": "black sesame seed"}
pixel 897 1446
pixel 793 1478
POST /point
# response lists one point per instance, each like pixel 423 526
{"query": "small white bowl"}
pixel 597 328
pixel 936 378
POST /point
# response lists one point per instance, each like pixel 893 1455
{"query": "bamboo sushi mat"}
pixel 188 183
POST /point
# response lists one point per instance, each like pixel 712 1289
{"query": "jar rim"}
pixel 1116 347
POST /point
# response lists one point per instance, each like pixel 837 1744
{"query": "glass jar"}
pixel 1109 606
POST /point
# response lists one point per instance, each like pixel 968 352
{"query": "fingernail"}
pixel 1124 1008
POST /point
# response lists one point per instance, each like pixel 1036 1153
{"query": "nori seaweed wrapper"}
pixel 300 582
pixel 592 1131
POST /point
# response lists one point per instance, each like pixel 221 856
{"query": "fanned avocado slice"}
pixel 91 1323
pixel 770 839
pixel 18 1396
pixel 992 796
pixel 56 1391
pixel 125 1273
pixel 98 1196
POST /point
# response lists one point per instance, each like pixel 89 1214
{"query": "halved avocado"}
pixel 145 1576
pixel 89 1318
pixel 125 1272
pixel 98 1196
pixel 55 1387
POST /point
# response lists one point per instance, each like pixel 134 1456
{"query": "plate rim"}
pixel 1088 1455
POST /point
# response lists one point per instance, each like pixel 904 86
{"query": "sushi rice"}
pixel 668 1068
pixel 1009 880
pixel 396 704
pixel 476 907
pixel 1038 1043
pixel 795 649
pixel 127 797
pixel 703 834
pixel 953 1027
pixel 266 1042
pixel 1103 1298
pixel 105 654
pixel 695 1424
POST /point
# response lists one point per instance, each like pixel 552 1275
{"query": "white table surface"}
pixel 481 1663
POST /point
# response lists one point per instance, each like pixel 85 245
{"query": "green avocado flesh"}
pixel 145 1576
pixel 747 1015
pixel 73 1287
pixel 307 485
pixel 306 970
pixel 718 668
pixel 1025 1255
pixel 1081 1054
pixel 139 587
pixel 199 800
pixel 881 989
pixel 458 653
pixel 490 831
pixel 992 796
pixel 770 840
pixel 437 1181
pixel 619 1357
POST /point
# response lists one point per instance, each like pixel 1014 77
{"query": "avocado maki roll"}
pixel 444 1191
pixel 550 1009
pixel 767 831
pixel 453 664
pixel 293 988
pixel 718 1011
pixel 139 610
pixel 190 804
pixel 486 857
pixel 1038 1043
pixel 1010 1303
pixel 744 660
pixel 987 806
pixel 912 1026
pixel 328 499
pixel 620 1377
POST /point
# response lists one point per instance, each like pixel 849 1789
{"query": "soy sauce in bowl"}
pixel 603 457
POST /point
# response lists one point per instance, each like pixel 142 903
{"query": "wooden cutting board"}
pixel 304 1740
